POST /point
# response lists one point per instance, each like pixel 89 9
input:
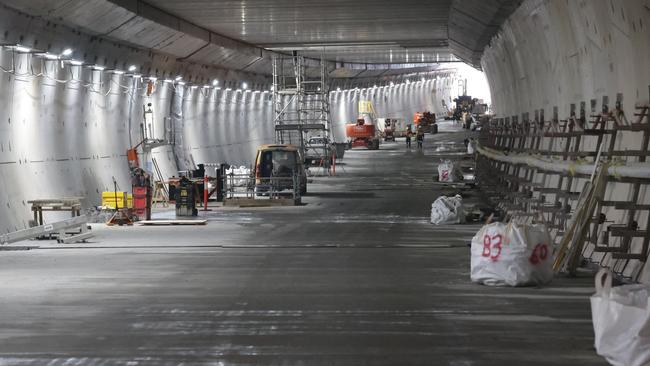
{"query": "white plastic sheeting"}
pixel 630 170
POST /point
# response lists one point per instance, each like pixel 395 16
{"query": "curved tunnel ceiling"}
pixel 243 34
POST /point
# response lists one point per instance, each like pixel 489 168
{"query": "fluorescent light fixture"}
pixel 244 85
pixel 76 62
pixel 179 78
pixel 215 82
pixel 408 81
pixel 168 81
pixel 392 83
pixel 137 76
pixel 50 56
pixel 206 86
pixel 22 49
pixel 98 68
pixel 228 89
pixel 423 79
pixel 67 52
pixel 132 68
pixel 118 72
pixel 194 86
pixel 153 78
pixel 238 90
pixel 338 89
pixel 374 86
pixel 256 92
pixel 181 83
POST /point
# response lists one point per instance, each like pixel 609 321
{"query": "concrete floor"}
pixel 357 276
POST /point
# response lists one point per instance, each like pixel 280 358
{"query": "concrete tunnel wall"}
pixel 65 129
pixel 556 53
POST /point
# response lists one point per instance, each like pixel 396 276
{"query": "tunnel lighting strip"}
pixel 618 169
pixel 65 59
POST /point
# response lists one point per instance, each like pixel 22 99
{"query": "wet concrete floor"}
pixel 356 276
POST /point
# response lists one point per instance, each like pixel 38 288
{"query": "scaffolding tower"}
pixel 300 102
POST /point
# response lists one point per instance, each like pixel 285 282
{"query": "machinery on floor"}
pixel 362 134
pixel 426 121
pixel 391 128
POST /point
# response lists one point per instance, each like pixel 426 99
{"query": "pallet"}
pixel 172 222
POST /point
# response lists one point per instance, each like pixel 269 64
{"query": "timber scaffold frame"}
pixel 618 234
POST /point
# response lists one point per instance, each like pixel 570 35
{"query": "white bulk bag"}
pixel 621 317
pixel 512 254
pixel 448 172
pixel 447 210
pixel 471 147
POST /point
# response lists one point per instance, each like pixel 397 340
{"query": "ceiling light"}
pixel 67 52
pixel 181 83
pixel 179 78
pixel 76 62
pixel 215 82
pixel 338 89
pixel 244 85
pixel 392 83
pixel 98 68
pixel 153 78
pixel 50 56
pixel 22 49
pixel 132 68
pixel 423 79
pixel 168 80
pixel 118 72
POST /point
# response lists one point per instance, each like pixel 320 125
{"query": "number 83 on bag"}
pixel 492 245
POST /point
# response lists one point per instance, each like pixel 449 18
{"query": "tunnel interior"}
pixel 356 273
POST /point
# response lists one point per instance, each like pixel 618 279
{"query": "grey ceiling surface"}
pixel 363 31
pixel 243 34
pixel 301 22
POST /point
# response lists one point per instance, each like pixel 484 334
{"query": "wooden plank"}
pixel 172 222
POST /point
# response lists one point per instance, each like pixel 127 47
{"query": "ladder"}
pixel 161 194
